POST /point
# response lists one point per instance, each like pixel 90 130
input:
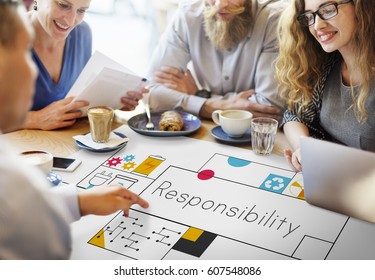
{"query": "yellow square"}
pixel 192 234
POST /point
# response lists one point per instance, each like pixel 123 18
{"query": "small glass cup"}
pixel 100 119
pixel 263 134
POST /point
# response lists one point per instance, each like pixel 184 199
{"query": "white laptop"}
pixel 339 178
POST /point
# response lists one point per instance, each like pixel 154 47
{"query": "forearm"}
pixel 31 121
pixel 293 131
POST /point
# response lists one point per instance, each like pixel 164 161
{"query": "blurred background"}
pixel 128 30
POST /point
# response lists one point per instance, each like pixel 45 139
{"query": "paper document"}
pixel 103 82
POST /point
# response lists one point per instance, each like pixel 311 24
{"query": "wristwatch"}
pixel 203 93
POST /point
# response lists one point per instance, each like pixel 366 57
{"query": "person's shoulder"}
pixel 272 7
pixel 82 32
pixel 191 7
pixel 83 27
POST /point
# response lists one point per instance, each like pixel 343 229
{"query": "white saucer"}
pixel 104 150
pixel 218 133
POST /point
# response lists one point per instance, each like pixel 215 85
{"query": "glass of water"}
pixel 263 134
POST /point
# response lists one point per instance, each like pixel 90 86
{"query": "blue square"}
pixel 275 183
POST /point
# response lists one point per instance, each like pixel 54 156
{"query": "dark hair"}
pixel 9 21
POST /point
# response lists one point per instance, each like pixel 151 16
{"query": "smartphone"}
pixel 65 164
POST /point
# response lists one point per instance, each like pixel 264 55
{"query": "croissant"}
pixel 171 121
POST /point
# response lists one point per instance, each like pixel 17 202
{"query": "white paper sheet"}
pixel 103 82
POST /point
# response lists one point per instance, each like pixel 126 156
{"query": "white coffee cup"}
pixel 41 159
pixel 235 123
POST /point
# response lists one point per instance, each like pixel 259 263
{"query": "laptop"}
pixel 339 178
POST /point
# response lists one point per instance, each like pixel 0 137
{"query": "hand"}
pixel 258 110
pixel 131 100
pixel 106 200
pixel 294 159
pixel 175 79
pixel 240 101
pixel 56 115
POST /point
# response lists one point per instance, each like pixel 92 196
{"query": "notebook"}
pixel 339 178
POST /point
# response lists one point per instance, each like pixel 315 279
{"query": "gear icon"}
pixel 129 158
pixel 128 165
pixel 114 162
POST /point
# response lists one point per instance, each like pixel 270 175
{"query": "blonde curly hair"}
pixel 301 60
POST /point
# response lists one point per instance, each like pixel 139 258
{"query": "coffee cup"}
pixel 235 123
pixel 100 119
pixel 40 159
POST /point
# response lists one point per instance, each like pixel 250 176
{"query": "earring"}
pixel 35 5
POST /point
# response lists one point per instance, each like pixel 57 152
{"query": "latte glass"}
pixel 100 119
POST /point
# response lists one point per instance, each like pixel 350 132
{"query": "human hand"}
pixel 258 110
pixel 294 159
pixel 131 100
pixel 106 200
pixel 175 79
pixel 240 101
pixel 56 115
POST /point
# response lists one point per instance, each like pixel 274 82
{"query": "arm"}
pixel 107 200
pixel 293 131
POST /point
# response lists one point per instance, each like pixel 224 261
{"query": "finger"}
pixel 66 100
pixel 60 124
pixel 246 94
pixel 126 101
pixel 171 85
pixel 69 116
pixel 126 212
pixel 172 71
pixel 134 95
pixel 80 103
pixel 143 203
pixel 189 75
pixel 145 90
pixel 272 116
pixel 288 155
pixel 162 80
pixel 265 109
pixel 134 198
pixel 166 76
pixel 296 163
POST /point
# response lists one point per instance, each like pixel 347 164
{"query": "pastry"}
pixel 171 121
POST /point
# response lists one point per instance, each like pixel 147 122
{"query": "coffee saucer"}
pixel 103 150
pixel 218 133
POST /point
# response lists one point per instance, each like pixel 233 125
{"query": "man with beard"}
pixel 231 46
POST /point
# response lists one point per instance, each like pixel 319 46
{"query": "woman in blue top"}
pixel 61 49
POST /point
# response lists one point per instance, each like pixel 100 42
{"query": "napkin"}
pixel 114 141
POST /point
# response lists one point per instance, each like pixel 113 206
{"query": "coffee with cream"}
pixel 41 159
pixel 100 119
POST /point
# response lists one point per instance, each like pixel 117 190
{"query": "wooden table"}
pixel 60 142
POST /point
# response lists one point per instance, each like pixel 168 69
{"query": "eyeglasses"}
pixel 327 11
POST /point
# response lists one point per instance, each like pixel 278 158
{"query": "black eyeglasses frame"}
pixel 303 18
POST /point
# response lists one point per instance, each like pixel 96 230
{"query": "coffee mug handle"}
pixel 215 116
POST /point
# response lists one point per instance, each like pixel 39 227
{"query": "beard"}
pixel 225 34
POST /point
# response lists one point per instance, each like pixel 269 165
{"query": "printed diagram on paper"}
pixel 209 205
